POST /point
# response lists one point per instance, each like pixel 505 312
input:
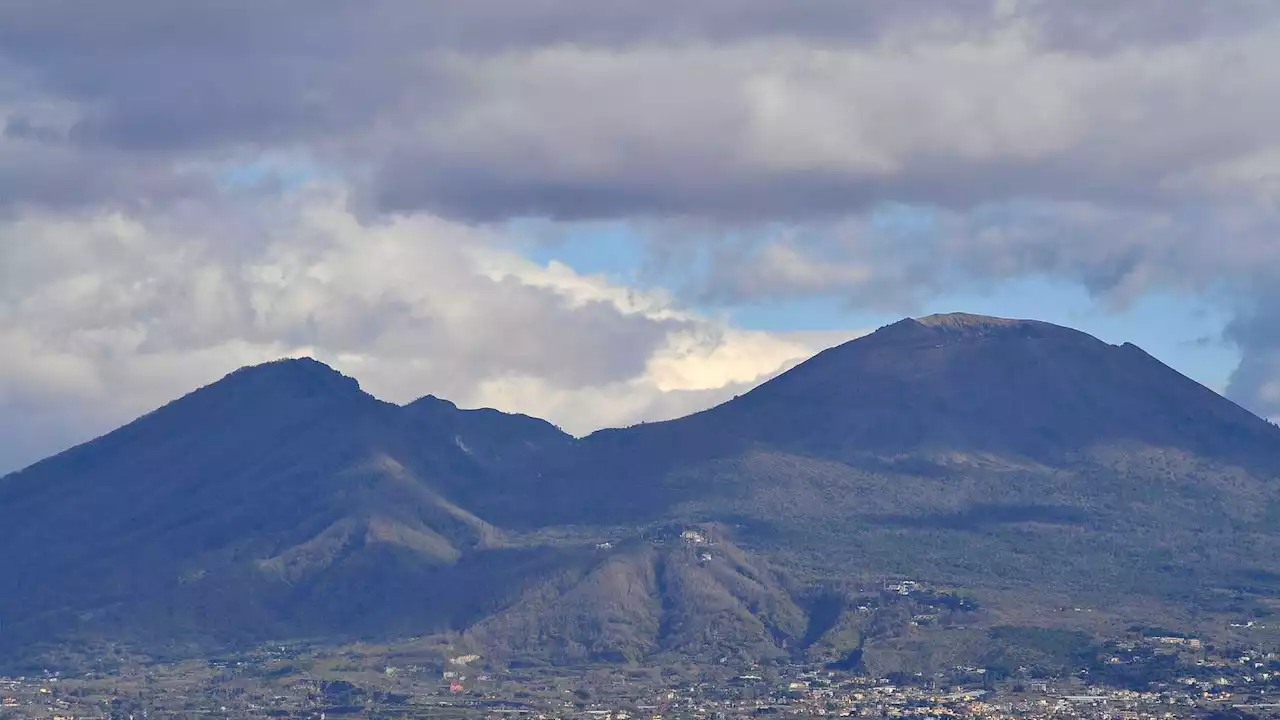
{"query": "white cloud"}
pixel 693 371
pixel 1125 146
pixel 108 315
pixel 710 358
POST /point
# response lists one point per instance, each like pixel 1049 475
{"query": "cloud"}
pixel 109 315
pixel 188 188
pixel 901 254
pixel 691 372
pixel 772 129
pixel 734 110
pixel 739 111
pixel 1256 329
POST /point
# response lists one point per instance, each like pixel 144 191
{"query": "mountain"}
pixel 280 500
pixel 695 593
pixel 1028 465
pixel 1027 459
pixel 977 451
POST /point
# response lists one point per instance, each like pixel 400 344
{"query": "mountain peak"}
pixel 302 376
pixel 960 326
pixel 984 384
pixel 304 364
pixel 428 403
pixel 969 321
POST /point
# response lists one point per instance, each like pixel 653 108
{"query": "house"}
pixel 693 537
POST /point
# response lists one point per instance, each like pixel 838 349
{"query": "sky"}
pixel 603 211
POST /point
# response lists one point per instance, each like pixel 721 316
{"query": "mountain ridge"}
pixel 1002 456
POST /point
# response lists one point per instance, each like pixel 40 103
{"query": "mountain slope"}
pixel 281 499
pixel 977 451
pixel 968 383
pixel 918 395
pixel 1031 464
pixel 696 594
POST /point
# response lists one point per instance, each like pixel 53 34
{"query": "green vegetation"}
pixel 1047 652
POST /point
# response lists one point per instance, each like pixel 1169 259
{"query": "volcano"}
pixel 1024 462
